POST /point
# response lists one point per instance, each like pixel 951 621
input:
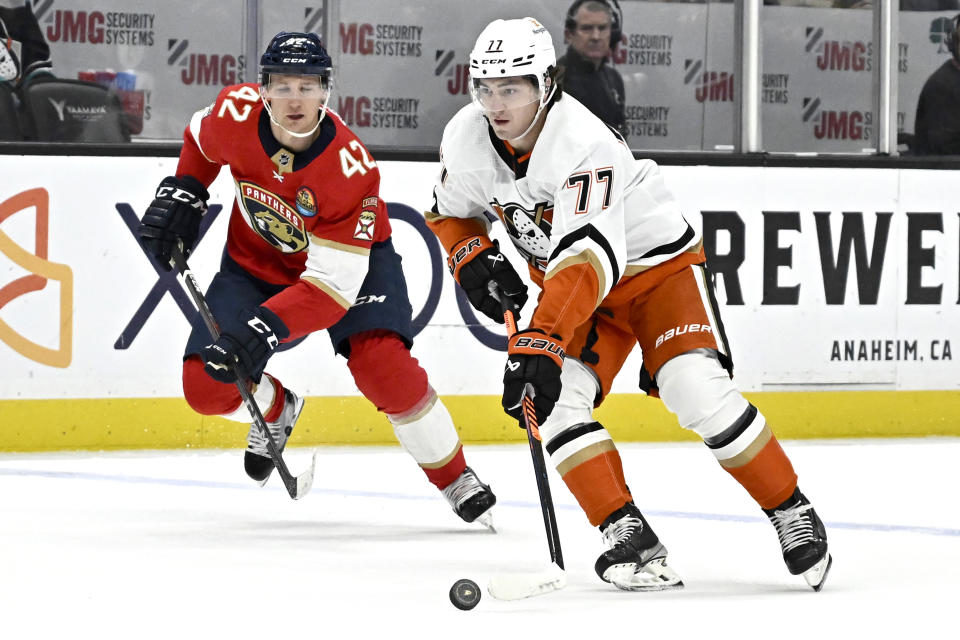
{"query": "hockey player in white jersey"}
pixel 618 266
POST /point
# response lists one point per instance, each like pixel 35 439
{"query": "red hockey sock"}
pixel 210 397
pixel 385 372
pixel 392 379
pixel 205 395
pixel 447 471
pixel 273 413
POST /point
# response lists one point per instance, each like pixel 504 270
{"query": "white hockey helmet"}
pixel 507 48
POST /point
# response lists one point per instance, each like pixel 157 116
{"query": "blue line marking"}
pixel 689 515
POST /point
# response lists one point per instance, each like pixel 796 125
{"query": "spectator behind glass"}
pixel 24 53
pixel 593 29
pixel 937 127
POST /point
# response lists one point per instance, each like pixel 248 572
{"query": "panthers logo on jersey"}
pixel 272 218
pixel 529 230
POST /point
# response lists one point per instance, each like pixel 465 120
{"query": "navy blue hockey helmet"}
pixel 296 54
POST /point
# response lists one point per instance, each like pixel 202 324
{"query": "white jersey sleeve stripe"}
pixel 195 123
pixel 591 236
pixel 337 269
pixel 588 239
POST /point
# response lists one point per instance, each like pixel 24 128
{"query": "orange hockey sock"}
pixel 597 482
pixel 767 475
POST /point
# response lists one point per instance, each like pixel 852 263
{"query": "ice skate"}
pixel 803 539
pixel 636 560
pixel 256 460
pixel 471 499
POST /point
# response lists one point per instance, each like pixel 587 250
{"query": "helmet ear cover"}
pixel 616 19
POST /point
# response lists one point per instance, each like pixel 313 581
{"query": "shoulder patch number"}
pixel 246 94
pixel 583 183
pixel 349 163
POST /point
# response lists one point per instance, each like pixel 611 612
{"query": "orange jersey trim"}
pixel 569 299
pixel 452 231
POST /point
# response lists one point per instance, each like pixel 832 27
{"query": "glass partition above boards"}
pixel 113 70
pixel 664 73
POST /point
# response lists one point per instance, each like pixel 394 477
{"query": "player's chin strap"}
pixel 543 103
pixel 323 112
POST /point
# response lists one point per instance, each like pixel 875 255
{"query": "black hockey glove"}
pixel 475 263
pixel 173 217
pixel 250 342
pixel 532 357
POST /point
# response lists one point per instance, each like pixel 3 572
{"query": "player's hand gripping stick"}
pixel 297 486
pixel 515 587
pixel 529 414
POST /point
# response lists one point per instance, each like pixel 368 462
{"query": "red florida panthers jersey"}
pixel 305 219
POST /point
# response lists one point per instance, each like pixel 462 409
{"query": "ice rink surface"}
pixel 182 545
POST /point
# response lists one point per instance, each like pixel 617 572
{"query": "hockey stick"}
pixel 517 586
pixel 298 486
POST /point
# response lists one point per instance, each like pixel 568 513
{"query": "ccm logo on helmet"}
pixel 679 331
pixel 494 61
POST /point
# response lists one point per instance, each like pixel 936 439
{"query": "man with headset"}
pixel 592 29
pixel 937 125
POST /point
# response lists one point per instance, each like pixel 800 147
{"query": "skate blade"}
pixel 817 574
pixel 486 519
pixel 653 576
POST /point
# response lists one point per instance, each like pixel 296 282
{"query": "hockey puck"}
pixel 464 594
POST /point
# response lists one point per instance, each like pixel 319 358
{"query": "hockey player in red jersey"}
pixel 618 266
pixel 308 236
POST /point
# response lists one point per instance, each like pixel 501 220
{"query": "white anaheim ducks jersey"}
pixel 579 196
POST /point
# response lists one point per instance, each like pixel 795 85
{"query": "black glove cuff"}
pixel 187 183
pixel 275 322
pixel 194 186
pixel 194 195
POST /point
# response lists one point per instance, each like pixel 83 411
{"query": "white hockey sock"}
pixel 427 431
pixel 263 393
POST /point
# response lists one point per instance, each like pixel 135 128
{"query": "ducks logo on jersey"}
pixel 529 230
